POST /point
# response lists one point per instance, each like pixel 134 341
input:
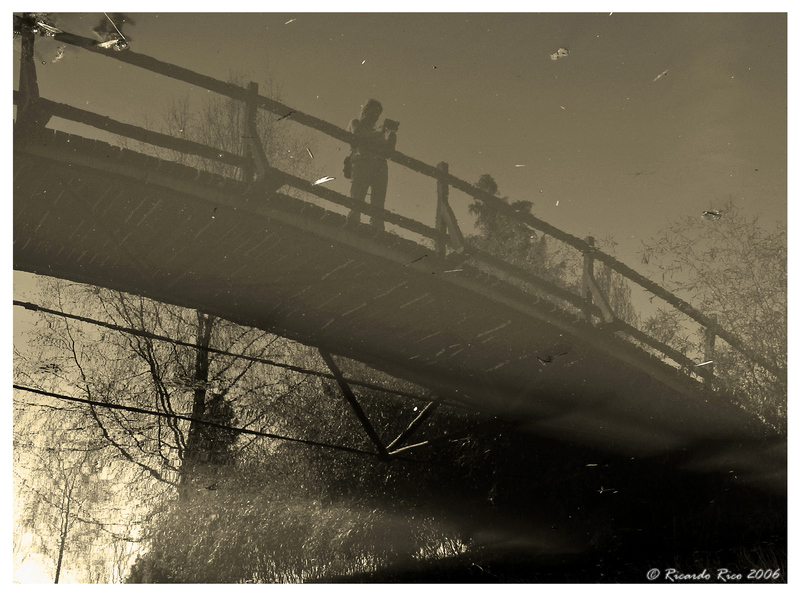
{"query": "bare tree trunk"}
pixel 64 532
pixel 194 443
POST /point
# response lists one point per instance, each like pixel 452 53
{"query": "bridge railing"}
pixel 446 233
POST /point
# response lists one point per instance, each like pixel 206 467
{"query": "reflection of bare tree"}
pixel 734 269
pixel 155 456
pixel 137 370
pixel 219 122
pixel 64 498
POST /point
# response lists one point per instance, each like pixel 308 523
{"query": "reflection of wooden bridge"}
pixel 436 312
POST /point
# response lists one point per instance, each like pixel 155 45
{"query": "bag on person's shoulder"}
pixel 348 167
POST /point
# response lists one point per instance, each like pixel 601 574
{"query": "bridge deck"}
pixel 89 212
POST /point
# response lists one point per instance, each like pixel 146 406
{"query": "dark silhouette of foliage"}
pixel 516 243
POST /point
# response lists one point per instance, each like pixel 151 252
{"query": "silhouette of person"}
pixel 370 171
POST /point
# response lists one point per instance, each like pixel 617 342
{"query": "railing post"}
pixel 30 117
pixel 248 126
pixel 446 223
pixel 257 165
pixel 709 340
pixel 442 197
pixel 588 274
pixel 592 293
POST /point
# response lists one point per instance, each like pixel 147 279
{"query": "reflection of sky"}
pixel 34 569
pixel 650 117
pixel 596 139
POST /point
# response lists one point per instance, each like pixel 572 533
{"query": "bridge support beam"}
pixel 351 399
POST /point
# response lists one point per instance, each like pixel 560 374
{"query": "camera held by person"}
pixel 390 125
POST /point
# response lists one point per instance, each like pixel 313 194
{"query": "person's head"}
pixel 371 111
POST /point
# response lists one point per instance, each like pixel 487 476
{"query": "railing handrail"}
pixel 138 133
pixel 285 112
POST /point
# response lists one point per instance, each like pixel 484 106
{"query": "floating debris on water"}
pixel 112 38
pixel 417 259
pixel 664 74
pixel 59 53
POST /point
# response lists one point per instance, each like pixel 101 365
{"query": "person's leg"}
pixel 359 185
pixel 378 196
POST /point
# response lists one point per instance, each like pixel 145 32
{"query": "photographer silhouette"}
pixel 370 171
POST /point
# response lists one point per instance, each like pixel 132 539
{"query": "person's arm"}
pixel 367 136
pixel 391 140
pixel 356 127
pixel 363 131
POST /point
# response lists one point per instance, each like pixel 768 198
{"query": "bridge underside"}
pixel 91 213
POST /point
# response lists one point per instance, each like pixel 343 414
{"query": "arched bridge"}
pixel 433 310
